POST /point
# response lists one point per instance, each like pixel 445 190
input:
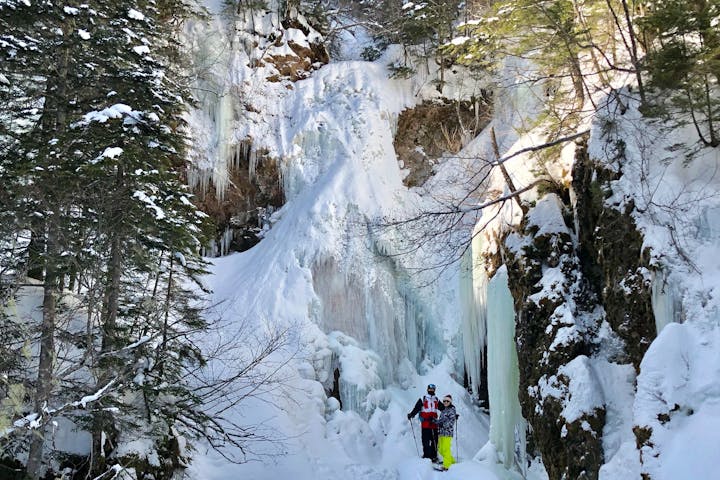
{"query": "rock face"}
pixel 571 272
pixel 555 323
pixel 300 62
pixel 252 195
pixel 272 50
pixel 610 250
pixel 431 129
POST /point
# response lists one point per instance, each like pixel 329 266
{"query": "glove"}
pixel 457 415
pixel 409 415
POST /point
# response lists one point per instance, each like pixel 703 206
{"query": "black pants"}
pixel 429 441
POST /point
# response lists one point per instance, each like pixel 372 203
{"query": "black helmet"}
pixel 431 386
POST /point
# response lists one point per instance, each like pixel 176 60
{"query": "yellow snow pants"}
pixel 444 444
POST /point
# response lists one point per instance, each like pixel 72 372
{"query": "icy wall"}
pixel 601 263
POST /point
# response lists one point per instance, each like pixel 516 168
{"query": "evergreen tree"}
pixel 421 26
pixel 92 155
pixel 547 32
pixel 431 23
pixel 684 57
pixel 573 48
pixel 35 65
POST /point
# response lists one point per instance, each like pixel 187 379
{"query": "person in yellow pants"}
pixel 446 426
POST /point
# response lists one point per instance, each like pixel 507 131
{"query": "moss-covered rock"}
pixel 567 280
pixel 612 256
pixel 556 320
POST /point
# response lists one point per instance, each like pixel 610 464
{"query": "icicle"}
pixel 252 162
pixel 198 179
pixel 412 336
pixel 210 250
pixel 421 335
pixel 507 426
pixel 473 285
pixel 215 124
pixel 707 224
pixel 225 241
pixel 663 300
pixel 223 143
pixel 219 247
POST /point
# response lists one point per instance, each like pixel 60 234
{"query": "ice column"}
pixel 506 421
pixel 707 224
pixel 473 290
pixel 663 300
pixel 213 55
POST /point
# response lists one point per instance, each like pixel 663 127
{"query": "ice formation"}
pixel 473 293
pixel 213 55
pixel 220 246
pixel 332 137
pixel 665 300
pixel 507 426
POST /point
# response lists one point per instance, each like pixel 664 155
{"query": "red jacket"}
pixel 428 407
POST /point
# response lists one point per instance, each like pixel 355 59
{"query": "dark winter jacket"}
pixel 446 421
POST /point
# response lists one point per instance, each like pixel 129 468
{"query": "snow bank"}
pixel 678 400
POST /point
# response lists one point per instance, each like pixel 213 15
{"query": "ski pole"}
pixel 414 439
pixel 457 445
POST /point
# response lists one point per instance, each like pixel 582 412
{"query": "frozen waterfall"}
pixel 666 303
pixel 232 94
pixel 507 426
pixel 370 299
pixel 331 135
pixel 473 294
pixel 213 122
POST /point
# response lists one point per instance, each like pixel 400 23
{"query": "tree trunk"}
pixel 104 431
pixel 44 385
pixel 714 139
pixel 505 173
pixel 631 47
pixel 112 289
pixel 36 249
pixel 166 320
pixel 52 122
pixel 112 296
pixel 634 52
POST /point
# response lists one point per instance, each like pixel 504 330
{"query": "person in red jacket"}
pixel 428 406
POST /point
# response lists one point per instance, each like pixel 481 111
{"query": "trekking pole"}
pixel 414 439
pixel 457 444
